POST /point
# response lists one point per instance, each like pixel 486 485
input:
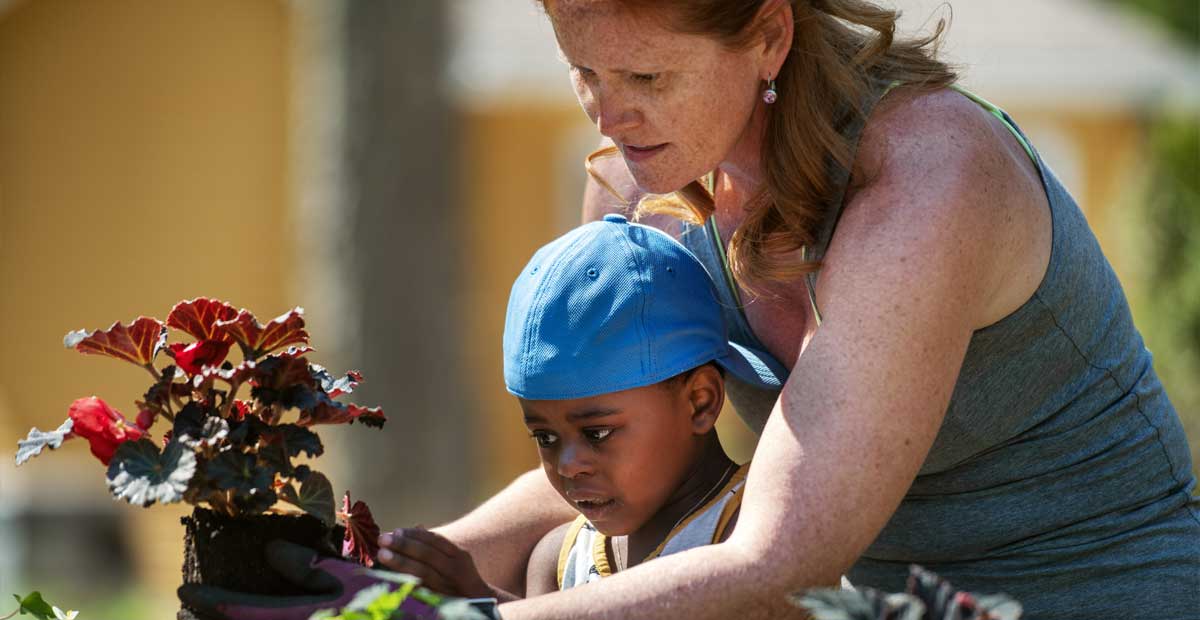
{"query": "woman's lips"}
pixel 642 153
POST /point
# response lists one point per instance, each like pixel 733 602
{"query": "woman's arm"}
pixel 916 263
pixel 542 576
pixel 501 532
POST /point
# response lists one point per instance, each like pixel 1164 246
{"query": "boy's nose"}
pixel 574 461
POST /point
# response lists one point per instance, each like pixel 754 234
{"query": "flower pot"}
pixel 229 552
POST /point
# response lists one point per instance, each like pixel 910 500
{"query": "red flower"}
pixel 104 427
pixel 191 358
pixel 145 419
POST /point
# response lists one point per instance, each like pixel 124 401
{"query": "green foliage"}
pixel 35 606
pixel 1168 306
pixel 1180 17
pixel 409 601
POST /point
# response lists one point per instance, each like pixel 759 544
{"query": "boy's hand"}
pixel 439 563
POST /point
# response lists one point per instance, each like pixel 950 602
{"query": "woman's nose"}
pixel 574 460
pixel 614 116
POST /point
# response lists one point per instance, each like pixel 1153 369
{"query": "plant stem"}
pixel 11 615
pixel 154 373
pixel 228 408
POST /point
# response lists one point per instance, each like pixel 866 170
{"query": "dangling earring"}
pixel 770 94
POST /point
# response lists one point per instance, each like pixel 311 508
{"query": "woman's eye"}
pixel 596 435
pixel 543 439
pixel 645 77
pixel 584 72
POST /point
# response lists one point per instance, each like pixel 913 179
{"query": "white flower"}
pixel 60 615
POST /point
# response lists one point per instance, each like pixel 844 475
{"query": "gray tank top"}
pixel 1061 474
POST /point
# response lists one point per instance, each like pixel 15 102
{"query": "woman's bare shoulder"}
pixel 937 159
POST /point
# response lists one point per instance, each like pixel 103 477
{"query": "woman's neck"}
pixel 740 175
pixel 711 470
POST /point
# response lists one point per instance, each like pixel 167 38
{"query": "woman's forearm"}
pixel 501 533
pixel 716 581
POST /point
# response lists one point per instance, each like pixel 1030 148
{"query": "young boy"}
pixel 615 345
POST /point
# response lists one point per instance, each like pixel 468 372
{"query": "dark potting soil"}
pixel 229 553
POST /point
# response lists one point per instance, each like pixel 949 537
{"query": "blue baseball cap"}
pixel 612 306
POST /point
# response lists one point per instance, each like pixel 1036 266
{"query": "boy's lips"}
pixel 595 509
pixel 592 504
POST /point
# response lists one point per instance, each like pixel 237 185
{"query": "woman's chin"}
pixel 658 184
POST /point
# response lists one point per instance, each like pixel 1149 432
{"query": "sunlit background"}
pixel 389 166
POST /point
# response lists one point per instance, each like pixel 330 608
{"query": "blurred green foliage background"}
pixel 1166 223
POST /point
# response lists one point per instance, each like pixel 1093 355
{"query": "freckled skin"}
pixel 644 86
pixel 945 231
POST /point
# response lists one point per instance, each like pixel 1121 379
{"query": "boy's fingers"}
pixel 429 575
pixel 418 548
pixel 437 541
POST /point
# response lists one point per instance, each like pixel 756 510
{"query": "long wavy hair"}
pixel 842 51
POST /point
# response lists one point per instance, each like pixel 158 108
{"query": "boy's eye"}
pixel 543 439
pixel 645 77
pixel 583 72
pixel 596 435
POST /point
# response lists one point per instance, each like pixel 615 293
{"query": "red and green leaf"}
pixel 138 343
pixel 286 381
pixel 195 357
pixel 315 497
pixel 332 412
pixel 142 475
pixel 295 439
pixel 257 339
pixel 235 375
pixel 362 533
pixel 343 385
pixel 199 317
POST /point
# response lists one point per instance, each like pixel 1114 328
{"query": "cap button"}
pixel 616 218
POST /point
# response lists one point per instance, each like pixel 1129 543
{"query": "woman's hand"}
pixel 440 564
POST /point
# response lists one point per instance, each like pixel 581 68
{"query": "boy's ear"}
pixel 706 394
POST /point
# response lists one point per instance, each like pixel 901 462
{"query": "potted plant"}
pixel 229 434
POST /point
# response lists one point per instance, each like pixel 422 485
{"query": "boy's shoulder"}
pixel 541 575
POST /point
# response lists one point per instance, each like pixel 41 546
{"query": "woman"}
pixel 966 390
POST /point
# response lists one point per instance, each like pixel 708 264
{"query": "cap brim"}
pixel 757 368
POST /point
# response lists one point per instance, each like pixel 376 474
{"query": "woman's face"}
pixel 676 105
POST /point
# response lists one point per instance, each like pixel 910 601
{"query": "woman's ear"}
pixel 776 23
pixel 705 390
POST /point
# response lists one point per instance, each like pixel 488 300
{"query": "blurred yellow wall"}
pixel 142 161
pixel 510 164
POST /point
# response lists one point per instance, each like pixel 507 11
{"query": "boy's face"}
pixel 618 457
